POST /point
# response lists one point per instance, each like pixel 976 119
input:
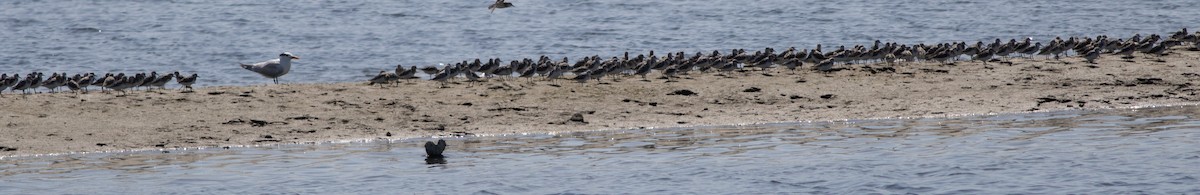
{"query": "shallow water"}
pixel 1154 151
pixel 349 40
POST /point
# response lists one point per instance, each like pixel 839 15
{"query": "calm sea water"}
pixel 347 40
pixel 1144 151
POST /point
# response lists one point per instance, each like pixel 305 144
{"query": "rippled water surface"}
pixel 1145 151
pixel 347 40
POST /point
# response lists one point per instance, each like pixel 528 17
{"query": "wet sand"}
pixel 305 113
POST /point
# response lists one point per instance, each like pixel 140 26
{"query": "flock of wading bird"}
pixel 595 68
pixel 117 82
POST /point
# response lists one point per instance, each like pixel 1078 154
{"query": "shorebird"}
pixel 554 74
pixel 430 70
pixel 161 82
pixel 86 80
pixel 488 67
pixel 411 73
pixel 1126 52
pixel 61 81
pixel 792 64
pixel 601 73
pixel 384 77
pixel 399 70
pixel 471 75
pixel 135 81
pixel 273 68
pixel 764 63
pixel 644 70
pixel 582 77
pixel 824 66
pixel 670 73
pixel 528 73
pixel 120 83
pixel 186 81
pixel 444 76
pixel 984 55
pixel 685 67
pixel 890 58
pixel 40 82
pixel 73 85
pixel 6 82
pixel 35 80
pixel 729 65
pixel 102 82
pixel 1092 55
pixel 1179 34
pixel 1049 49
pixel 22 85
pixel 1159 49
pixel 1033 49
pixel 53 82
pixel 500 4
pixel 149 80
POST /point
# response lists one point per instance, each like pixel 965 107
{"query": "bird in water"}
pixel 434 152
pixel 273 68
pixel 500 4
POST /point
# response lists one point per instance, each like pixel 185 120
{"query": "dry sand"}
pixel 304 113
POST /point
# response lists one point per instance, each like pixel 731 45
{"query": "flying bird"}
pixel 500 4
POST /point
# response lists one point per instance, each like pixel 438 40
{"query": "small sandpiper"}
pixel 1092 55
pixel 430 70
pixel 582 77
pixel 6 82
pixel 146 83
pixel 384 77
pixel 35 80
pixel 186 81
pixel 119 84
pixel 86 80
pixel 73 85
pixel 161 82
pixel 399 69
pixel 555 73
pixel 22 85
pixel 445 76
pixel 411 73
pixel 54 81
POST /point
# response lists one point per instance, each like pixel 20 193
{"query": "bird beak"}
pixel 296 57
